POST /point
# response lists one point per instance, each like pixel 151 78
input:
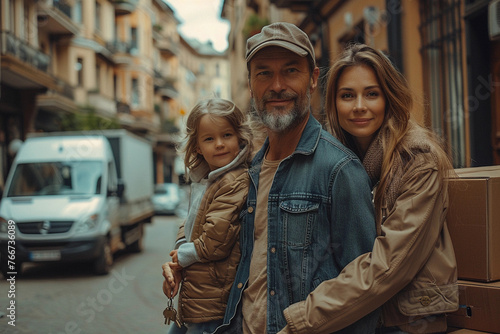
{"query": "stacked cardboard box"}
pixel 463 331
pixel 474 223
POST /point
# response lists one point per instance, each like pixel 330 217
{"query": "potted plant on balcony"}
pixel 253 25
pixel 157 27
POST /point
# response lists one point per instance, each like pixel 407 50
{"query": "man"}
pixel 309 210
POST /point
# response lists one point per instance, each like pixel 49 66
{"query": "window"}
pixel 97 16
pixel 115 87
pixel 26 22
pixel 443 74
pixel 79 71
pixel 134 41
pixel 98 76
pixel 77 11
pixel 217 70
pixel 12 9
pixel 135 93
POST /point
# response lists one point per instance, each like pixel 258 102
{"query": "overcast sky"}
pixel 200 19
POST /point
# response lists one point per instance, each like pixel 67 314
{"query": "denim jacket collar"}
pixel 308 141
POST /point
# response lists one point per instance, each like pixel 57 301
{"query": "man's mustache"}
pixel 279 96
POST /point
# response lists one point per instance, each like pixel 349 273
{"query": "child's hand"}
pixel 173 254
pixel 169 282
pixel 177 271
pixel 173 276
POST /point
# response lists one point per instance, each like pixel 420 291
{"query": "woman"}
pixel 411 271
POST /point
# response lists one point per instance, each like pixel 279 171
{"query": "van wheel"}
pixel 137 246
pixel 102 265
pixel 6 269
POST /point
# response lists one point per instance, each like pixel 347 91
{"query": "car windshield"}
pixel 56 178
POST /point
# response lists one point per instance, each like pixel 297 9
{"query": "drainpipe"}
pixel 394 35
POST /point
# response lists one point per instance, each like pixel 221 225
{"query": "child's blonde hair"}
pixel 215 107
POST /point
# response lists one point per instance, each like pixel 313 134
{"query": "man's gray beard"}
pixel 282 123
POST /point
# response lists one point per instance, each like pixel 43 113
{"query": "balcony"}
pixel 122 51
pixel 23 51
pixel 122 107
pixel 167 46
pixel 168 91
pixel 104 106
pixel 117 46
pixel 23 66
pixel 54 16
pixel 58 100
pixel 164 85
pixel 124 7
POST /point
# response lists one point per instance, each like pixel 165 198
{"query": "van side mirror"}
pixel 119 189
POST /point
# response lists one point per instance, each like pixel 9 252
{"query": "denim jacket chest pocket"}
pixel 298 218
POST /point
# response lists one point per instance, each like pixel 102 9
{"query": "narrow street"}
pixel 69 299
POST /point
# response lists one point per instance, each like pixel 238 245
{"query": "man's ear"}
pixel 314 79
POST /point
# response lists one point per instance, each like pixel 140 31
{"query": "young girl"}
pixel 411 270
pixel 217 151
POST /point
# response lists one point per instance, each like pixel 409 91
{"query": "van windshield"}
pixel 56 178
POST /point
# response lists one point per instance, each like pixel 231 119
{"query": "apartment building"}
pixel 449 50
pixel 120 63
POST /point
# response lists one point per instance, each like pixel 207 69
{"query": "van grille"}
pixel 45 227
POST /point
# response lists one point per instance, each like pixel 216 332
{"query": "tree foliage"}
pixel 86 119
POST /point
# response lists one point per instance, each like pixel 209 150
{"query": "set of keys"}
pixel 170 314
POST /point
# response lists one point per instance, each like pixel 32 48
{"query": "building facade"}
pixel 447 49
pixel 119 63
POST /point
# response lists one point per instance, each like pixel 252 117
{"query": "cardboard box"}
pixel 479 307
pixel 474 222
pixel 455 330
pixel 465 331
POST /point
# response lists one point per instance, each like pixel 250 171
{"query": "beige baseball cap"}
pixel 282 34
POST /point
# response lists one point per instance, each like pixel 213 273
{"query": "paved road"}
pixel 69 299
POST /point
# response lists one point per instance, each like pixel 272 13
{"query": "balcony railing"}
pixel 168 45
pixel 123 7
pixel 11 45
pixel 63 6
pixel 117 46
pixel 102 104
pixel 66 89
pixel 55 18
pixel 122 107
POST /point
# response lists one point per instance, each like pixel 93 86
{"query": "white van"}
pixel 62 195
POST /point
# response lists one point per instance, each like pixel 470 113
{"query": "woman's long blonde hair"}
pixel 397 120
pixel 215 107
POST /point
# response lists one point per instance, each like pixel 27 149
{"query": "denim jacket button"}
pixel 272 293
pixel 250 209
pixel 240 285
pixel 273 250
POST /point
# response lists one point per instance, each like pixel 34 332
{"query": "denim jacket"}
pixel 320 218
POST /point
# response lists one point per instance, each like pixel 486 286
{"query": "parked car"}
pixel 166 198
